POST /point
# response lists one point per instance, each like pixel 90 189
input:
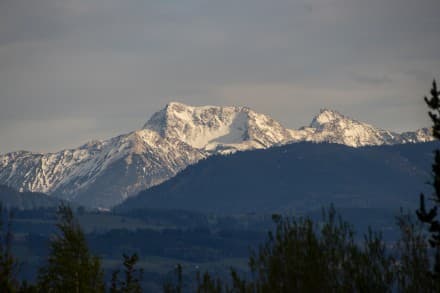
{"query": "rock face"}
pixel 104 173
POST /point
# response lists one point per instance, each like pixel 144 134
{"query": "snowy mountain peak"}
pixel 326 116
pixel 331 126
pixel 215 128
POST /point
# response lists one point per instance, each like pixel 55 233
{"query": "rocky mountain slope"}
pixel 104 173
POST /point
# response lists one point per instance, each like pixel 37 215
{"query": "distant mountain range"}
pixel 298 178
pixel 105 173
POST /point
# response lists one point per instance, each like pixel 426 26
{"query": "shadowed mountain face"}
pixel 105 173
pixel 11 198
pixel 299 177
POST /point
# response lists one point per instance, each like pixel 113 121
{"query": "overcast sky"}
pixel 76 70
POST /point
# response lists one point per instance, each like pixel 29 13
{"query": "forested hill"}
pixel 297 177
pixel 10 197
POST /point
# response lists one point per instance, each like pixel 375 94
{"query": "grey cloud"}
pixel 372 80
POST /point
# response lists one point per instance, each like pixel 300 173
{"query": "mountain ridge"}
pixel 102 173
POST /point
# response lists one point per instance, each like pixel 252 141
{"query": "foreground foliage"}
pixel 302 256
pixel 431 217
pixel 70 266
pixel 8 264
pixel 132 277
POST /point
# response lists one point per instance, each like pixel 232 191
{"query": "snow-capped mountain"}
pixel 104 173
pixel 331 126
pixel 100 174
pixel 218 129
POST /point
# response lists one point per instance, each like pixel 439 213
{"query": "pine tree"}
pixel 133 277
pixel 208 284
pixel 430 217
pixel 175 286
pixel 8 263
pixel 413 265
pixel 70 267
